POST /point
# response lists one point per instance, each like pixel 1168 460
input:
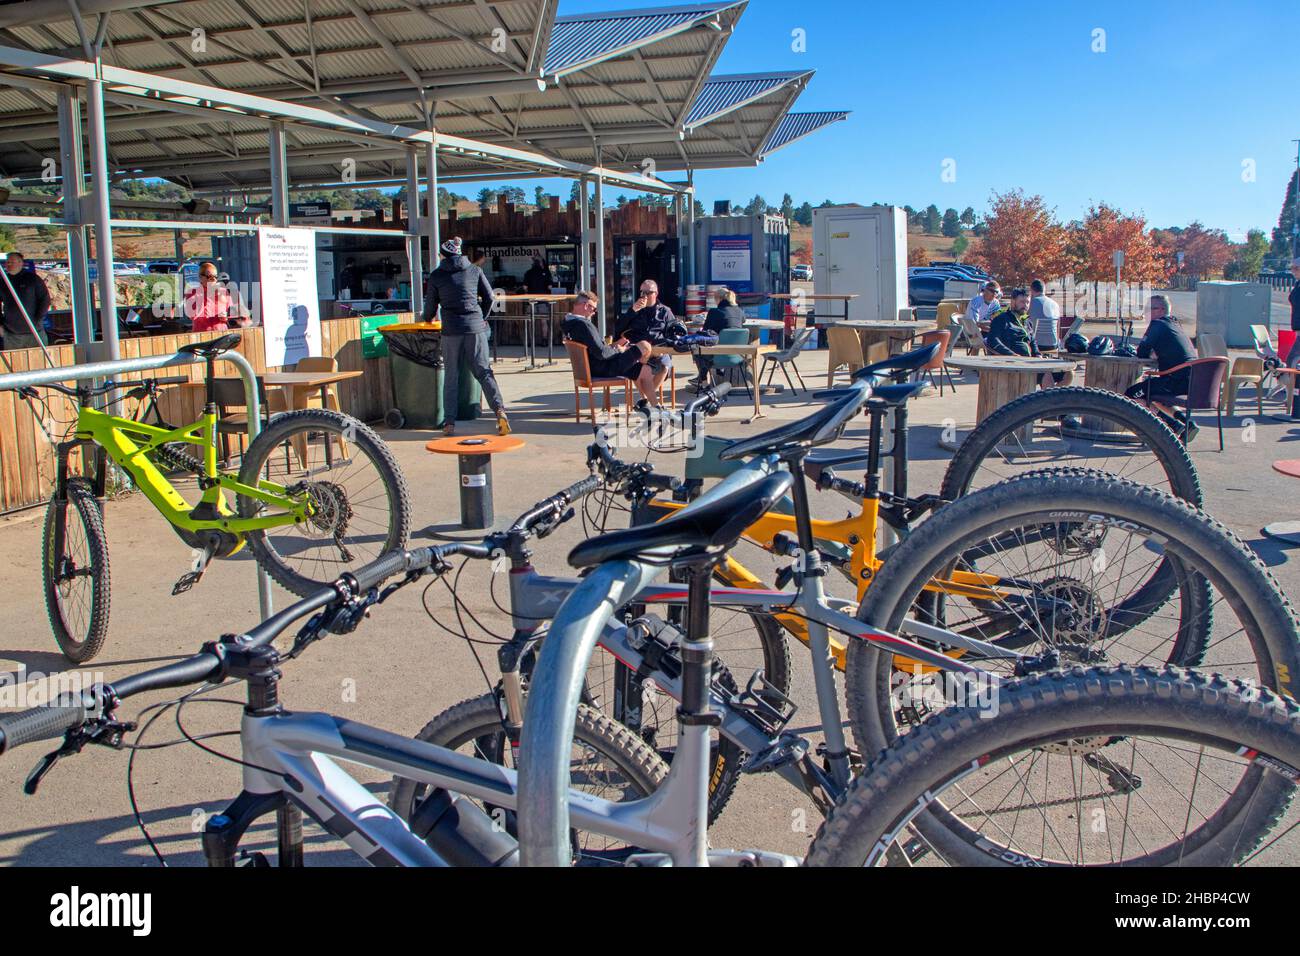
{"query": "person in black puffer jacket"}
pixel 461 292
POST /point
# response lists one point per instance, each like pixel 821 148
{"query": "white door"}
pixel 853 264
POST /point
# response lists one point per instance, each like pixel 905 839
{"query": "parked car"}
pixel 801 272
pixel 925 290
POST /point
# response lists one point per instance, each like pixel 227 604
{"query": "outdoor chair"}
pixel 732 365
pixel 971 335
pixel 320 363
pixel 936 364
pixel 1204 388
pixel 582 379
pixel 1273 382
pixel 1245 370
pixel 785 360
pixel 845 349
pixel 229 394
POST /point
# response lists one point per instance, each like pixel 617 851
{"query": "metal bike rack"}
pixel 100 370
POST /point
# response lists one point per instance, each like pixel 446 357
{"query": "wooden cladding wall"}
pixel 29 430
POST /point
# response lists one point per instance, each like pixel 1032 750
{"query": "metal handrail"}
pixel 98 370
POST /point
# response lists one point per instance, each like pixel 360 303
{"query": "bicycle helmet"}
pixel 1100 345
pixel 1126 350
pixel 1076 343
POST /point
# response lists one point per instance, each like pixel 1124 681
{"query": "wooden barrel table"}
pixel 1114 373
pixel 1003 379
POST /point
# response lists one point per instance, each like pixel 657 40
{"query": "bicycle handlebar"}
pixel 41 723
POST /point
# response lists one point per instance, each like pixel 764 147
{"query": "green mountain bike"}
pixel 317 493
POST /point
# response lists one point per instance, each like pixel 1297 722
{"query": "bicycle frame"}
pixel 129 443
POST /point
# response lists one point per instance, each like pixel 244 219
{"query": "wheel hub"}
pixel 1075 617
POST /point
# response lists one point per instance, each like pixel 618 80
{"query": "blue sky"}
pixel 1160 123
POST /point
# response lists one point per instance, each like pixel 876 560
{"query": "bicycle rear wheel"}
pixel 357 492
pixel 75 577
pixel 1111 766
pixel 608 761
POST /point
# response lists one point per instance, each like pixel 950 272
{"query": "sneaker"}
pixel 1192 431
pixel 449 429
pixel 503 424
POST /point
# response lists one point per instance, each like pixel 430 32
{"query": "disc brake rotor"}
pixel 1074 615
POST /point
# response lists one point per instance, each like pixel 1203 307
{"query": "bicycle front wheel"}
pixel 607 761
pixel 74 572
pixel 349 477
pixel 1110 766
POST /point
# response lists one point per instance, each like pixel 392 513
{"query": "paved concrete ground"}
pixel 398 670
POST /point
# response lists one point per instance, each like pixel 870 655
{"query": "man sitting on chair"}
pixel 648 321
pixel 608 361
pixel 1166 340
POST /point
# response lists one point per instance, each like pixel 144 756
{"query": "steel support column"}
pixel 72 170
pixel 414 224
pixel 102 216
pixel 584 256
pixel 432 221
pixel 279 176
pixel 600 246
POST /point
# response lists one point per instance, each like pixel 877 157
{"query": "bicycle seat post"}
pixel 209 373
pixel 694 716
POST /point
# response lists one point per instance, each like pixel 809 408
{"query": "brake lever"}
pixel 105 732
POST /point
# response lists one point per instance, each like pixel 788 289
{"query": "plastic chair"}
pixel 1204 388
pixel 784 359
pixel 730 364
pixel 578 358
pixel 845 349
pixel 1273 382
pixel 971 335
pixel 1245 370
pixel 936 364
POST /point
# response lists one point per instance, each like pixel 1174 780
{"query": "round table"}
pixel 474 453
pixel 1287 532
pixel 1114 373
pixel 878 337
pixel 1003 379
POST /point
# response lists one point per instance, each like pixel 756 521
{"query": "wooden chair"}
pixel 229 394
pixel 1246 370
pixel 582 379
pixel 320 363
pixel 936 364
pixel 845 349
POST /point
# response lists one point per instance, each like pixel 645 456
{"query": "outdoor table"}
pixel 757 326
pixel 844 300
pixel 530 329
pixel 1285 531
pixel 1003 379
pixel 1114 373
pixel 878 337
pixel 474 454
pixel 749 353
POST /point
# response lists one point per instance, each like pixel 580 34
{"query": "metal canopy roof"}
pixel 609 76
pixel 795 126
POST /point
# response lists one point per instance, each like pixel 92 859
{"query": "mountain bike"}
pixel 317 492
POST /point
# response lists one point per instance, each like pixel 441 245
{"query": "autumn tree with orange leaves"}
pixel 1023 240
pixel 1106 229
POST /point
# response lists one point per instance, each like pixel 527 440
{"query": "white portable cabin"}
pixel 862 250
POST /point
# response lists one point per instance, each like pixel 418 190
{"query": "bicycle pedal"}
pixel 764 705
pixel 786 750
pixel 187 581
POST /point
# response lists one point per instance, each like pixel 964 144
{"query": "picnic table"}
pixel 1003 379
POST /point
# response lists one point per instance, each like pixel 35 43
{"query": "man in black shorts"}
pixel 1166 340
pixel 608 361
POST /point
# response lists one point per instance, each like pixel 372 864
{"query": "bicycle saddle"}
pixel 820 428
pixel 904 362
pixel 213 346
pixel 895 394
pixel 704 529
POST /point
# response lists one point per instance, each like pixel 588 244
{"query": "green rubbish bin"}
pixel 415 361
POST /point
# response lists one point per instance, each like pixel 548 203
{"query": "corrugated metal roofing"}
pixel 583 38
pixel 722 94
pixel 798 125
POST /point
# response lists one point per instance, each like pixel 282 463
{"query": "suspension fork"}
pixel 694 717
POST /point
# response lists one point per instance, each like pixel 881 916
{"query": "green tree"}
pixel 757 206
pixel 968 216
pixel 700 212
pixel 959 247
pixel 951 224
pixel 8 241
pixel 1248 257
pixel 803 215
pixel 787 207
pixel 1284 235
pixel 933 221
pixel 486 197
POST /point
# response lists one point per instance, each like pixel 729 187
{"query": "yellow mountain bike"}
pixel 317 493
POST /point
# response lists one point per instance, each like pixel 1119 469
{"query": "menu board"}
pixel 290 304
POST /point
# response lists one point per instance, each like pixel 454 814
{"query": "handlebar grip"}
pixel 39 723
pixel 381 569
pixel 172 380
pixel 580 489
